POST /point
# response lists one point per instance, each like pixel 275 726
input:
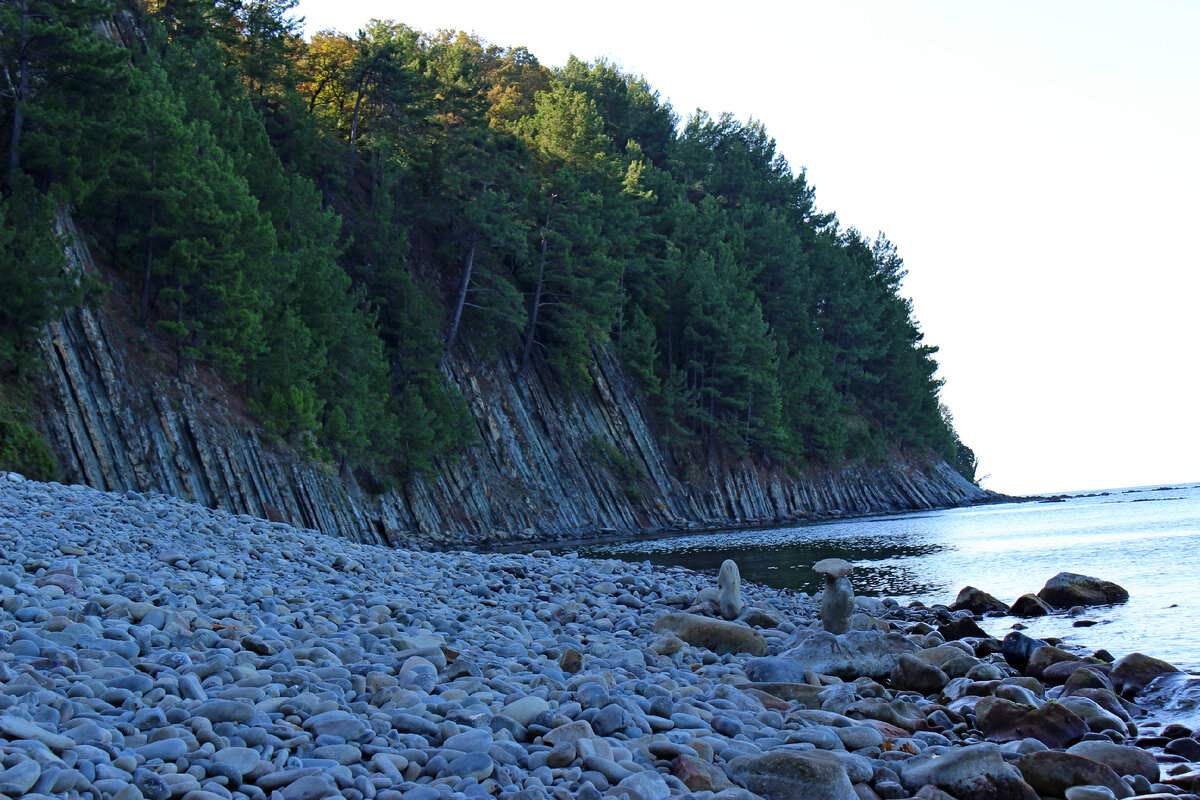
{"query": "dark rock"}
pixel 961 628
pixel 1090 674
pixel 1052 773
pixel 1067 589
pixel 571 661
pixel 977 772
pixel 977 601
pixel 1044 656
pixel 1187 747
pixel 1053 724
pixel 1029 605
pixel 1121 759
pixel 1135 671
pixel 794 775
pixel 1176 731
pixel 1017 647
pixel 997 718
pixel 913 674
pixel 698 775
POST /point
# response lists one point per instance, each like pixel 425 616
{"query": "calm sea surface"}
pixel 1145 539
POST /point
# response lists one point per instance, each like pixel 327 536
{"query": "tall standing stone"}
pixel 837 602
pixel 729 586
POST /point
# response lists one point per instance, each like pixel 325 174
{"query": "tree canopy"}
pixel 327 220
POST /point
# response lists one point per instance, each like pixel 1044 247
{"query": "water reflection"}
pixel 1150 548
pixel 783 557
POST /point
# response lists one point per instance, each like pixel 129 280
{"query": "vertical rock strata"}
pixel 119 423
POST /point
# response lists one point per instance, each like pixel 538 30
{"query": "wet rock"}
pixel 1016 648
pixel 716 635
pixel 997 719
pixel 1029 605
pixel 1044 656
pixel 1067 589
pixel 961 628
pixel 977 771
pixel 1051 773
pixel 913 674
pixel 977 601
pixel 1121 759
pixel 729 587
pixel 1136 671
pixel 794 775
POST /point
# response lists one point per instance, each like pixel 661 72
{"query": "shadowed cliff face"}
pixel 549 464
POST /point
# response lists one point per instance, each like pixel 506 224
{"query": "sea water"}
pixel 1145 539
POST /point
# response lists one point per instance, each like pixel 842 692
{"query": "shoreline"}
pixel 157 649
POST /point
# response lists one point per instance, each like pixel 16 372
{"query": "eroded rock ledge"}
pixel 119 422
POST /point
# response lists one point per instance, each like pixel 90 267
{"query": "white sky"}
pixel 1036 163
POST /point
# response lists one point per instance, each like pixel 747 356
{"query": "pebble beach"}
pixel 151 648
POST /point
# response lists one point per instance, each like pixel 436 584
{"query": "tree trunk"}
pixel 144 307
pixel 464 284
pixel 18 121
pixel 354 129
pixel 527 350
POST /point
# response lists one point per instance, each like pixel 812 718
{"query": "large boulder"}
pixel 1051 773
pixel 1121 759
pixel 1134 672
pixel 714 634
pixel 913 674
pixel 963 627
pixel 794 775
pixel 1053 724
pixel 978 601
pixel 1067 589
pixel 852 655
pixel 977 771
pixel 1029 605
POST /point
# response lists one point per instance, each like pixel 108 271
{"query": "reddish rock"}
pixel 699 776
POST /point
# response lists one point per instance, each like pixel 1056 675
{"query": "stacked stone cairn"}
pixel 156 650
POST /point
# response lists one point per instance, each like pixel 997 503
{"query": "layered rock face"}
pixel 118 422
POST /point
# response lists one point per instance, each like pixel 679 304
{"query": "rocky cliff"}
pixel 549 464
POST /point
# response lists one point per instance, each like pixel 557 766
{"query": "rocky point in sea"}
pixel 154 649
